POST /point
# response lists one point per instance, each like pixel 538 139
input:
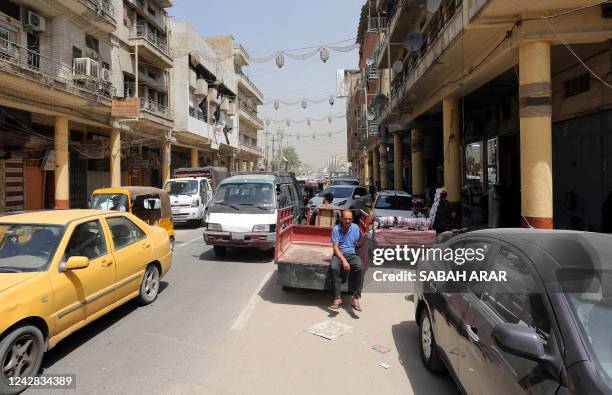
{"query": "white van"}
pixel 244 210
pixel 188 198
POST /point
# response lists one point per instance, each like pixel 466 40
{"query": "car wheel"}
pixel 150 286
pixel 428 348
pixel 220 250
pixel 21 354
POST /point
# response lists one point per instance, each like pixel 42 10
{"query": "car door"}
pixel 483 367
pixel 451 299
pixel 78 294
pixel 132 251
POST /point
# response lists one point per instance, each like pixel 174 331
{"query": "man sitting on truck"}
pixel 346 237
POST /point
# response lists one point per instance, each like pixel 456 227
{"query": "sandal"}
pixel 336 304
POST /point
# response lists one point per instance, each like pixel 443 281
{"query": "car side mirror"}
pixel 75 263
pixel 519 340
pixel 357 197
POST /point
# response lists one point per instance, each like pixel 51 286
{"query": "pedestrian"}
pixel 445 215
pixel 325 220
pixel 346 237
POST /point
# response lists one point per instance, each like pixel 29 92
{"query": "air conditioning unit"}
pixel 35 22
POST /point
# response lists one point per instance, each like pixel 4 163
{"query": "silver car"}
pixel 393 204
pixel 345 196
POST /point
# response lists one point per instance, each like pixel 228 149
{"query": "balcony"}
pixel 419 62
pixel 154 108
pixel 156 18
pixel 85 78
pixel 101 13
pixel 251 85
pixel 250 115
pixel 152 45
pixel 402 18
pixel 197 114
pixel 250 148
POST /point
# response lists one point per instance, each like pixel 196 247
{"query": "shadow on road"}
pixel 274 293
pixel 405 336
pixel 238 255
pixel 89 332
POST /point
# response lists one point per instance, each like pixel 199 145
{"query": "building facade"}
pixel 488 92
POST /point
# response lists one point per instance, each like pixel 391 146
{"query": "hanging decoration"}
pixel 280 60
pixel 331 99
pixel 309 121
pixel 298 136
pixel 329 119
pixel 324 53
pixel 268 121
pixel 288 121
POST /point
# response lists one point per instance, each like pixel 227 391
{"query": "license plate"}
pixel 238 236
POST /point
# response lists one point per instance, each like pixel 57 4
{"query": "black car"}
pixel 547 329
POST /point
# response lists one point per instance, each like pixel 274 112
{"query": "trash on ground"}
pixel 364 333
pixel 384 365
pixel 364 343
pixel 329 329
pixel 381 349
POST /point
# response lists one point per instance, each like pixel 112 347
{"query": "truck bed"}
pixel 306 254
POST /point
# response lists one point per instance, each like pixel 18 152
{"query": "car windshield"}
pixel 27 247
pixel 345 182
pixel 394 202
pixel 182 187
pixel 110 201
pixel 338 193
pixel 589 293
pixel 247 193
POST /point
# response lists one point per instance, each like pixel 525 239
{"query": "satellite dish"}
pixel 369 61
pixel 371 116
pixel 380 100
pixel 413 41
pixel 433 5
pixel 398 66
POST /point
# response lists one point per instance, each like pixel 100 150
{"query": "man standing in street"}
pixel 445 215
pixel 346 237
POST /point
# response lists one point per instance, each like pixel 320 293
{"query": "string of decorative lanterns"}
pixel 331 99
pixel 311 135
pixel 308 121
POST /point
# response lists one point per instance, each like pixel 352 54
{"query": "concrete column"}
pixel 115 158
pixel 252 166
pixel 371 166
pixel 398 163
pixel 535 106
pixel 194 157
pixel 452 149
pixel 384 182
pixel 366 169
pixel 376 163
pixel 62 163
pixel 416 145
pixel 166 153
pixel 231 162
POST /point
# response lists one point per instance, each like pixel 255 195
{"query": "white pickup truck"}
pixel 189 197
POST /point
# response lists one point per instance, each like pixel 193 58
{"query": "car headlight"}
pixel 261 228
pixel 341 203
pixel 214 227
pixel 195 202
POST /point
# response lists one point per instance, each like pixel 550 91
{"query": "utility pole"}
pixel 266 156
pixel 273 159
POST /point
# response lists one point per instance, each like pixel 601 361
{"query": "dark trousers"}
pixel 355 275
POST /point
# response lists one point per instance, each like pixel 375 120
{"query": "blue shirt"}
pixel 346 240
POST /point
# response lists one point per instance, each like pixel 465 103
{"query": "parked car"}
pixel 244 210
pixel 345 196
pixel 62 269
pixel 393 204
pixel 546 330
pixel 345 180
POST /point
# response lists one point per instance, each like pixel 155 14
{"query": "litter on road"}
pixel 329 329
pixel 385 365
pixel 380 349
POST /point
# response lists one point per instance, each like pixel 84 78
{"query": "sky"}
pixel 266 26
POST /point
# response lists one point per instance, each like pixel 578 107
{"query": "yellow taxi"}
pixel 62 269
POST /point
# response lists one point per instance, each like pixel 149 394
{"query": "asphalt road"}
pixel 225 326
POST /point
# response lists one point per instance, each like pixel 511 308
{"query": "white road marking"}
pixel 246 313
pixel 190 241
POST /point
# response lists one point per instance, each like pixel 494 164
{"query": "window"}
pixel 86 240
pixel 105 65
pixel 492 162
pixel 124 232
pixel 92 43
pixel 361 192
pixel 128 85
pixel 577 85
pixel 4 40
pixel 285 198
pixel 76 53
pixel 11 9
pixel 519 300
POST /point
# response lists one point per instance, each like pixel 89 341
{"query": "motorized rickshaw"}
pixel 151 205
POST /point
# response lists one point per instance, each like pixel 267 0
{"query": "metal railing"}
pixel 251 84
pixel 151 36
pixel 447 10
pixel 377 23
pixel 252 113
pixel 156 18
pixel 101 6
pixel 245 144
pixel 197 114
pixel 32 65
pixel 154 107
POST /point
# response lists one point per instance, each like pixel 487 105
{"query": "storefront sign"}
pixel 49 161
pixel 126 108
